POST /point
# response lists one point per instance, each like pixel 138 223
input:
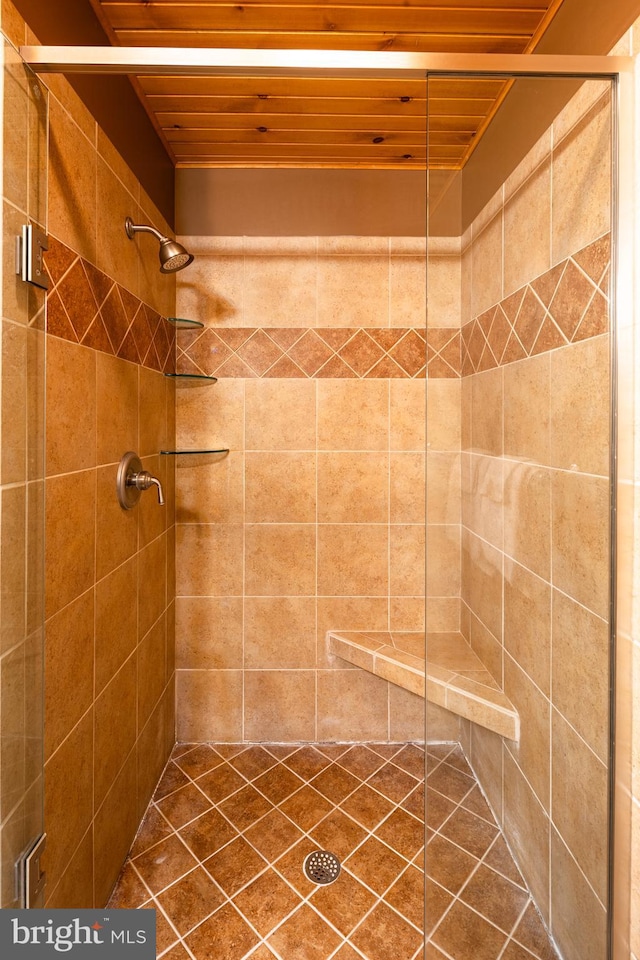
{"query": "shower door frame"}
pixel 139 61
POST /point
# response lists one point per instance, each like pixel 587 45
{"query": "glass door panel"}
pixel 518 509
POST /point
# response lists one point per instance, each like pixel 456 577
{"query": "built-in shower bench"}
pixel 452 676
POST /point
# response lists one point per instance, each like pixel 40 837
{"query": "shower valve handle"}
pixel 132 480
pixel 144 480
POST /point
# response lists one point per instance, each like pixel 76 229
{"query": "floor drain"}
pixel 321 867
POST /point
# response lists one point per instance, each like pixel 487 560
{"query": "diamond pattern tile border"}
pixel 566 304
pixel 86 306
pixel 322 352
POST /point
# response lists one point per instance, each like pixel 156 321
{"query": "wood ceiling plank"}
pixel 361 107
pixel 325 152
pixel 540 5
pixel 319 106
pixel 291 86
pixel 401 43
pixel 332 87
pixel 253 135
pixel 293 121
pixel 272 16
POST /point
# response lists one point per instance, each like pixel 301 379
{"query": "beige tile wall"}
pixel 535 534
pixel 109 584
pixel 316 518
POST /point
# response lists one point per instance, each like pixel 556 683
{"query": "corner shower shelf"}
pixel 192 379
pixel 181 323
pixel 191 453
pixel 452 676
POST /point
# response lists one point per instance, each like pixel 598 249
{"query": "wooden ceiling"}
pixel 332 121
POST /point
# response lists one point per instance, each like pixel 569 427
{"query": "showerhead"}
pixel 173 255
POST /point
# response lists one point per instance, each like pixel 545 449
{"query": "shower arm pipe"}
pixel 199 61
pixel 133 228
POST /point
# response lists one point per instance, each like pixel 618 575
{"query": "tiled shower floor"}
pixel 221 847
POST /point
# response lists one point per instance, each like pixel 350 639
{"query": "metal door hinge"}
pixel 30 248
pixel 31 878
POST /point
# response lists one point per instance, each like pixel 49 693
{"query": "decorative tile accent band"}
pixel 566 304
pixel 86 306
pixel 320 352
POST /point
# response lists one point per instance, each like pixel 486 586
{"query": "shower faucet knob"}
pixel 144 480
pixel 132 480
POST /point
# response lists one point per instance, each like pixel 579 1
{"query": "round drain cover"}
pixel 321 867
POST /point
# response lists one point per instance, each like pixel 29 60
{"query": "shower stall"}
pixel 393 579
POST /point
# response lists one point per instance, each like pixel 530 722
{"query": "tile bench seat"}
pixel 453 676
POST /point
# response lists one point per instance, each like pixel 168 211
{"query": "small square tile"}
pixel 129 891
pixel 499 857
pixel 448 865
pixel 277 784
pixel 221 782
pixel 450 783
pixel 414 803
pixel 469 832
pixel 290 866
pixel 403 833
pixel 375 865
pixel 437 901
pixel 464 933
pixel 172 779
pixel 386 936
pixel 344 902
pixel 335 783
pixel 183 805
pixel 411 759
pixel 252 762
pixel 235 865
pixel 438 808
pixel 198 761
pixel 206 943
pixel 306 807
pixel 245 807
pixel 495 898
pixel 407 896
pixel 367 807
pixel 305 926
pixel 339 834
pixel 164 864
pixel 190 900
pixel 207 834
pixel 272 835
pixel 153 828
pixel 360 761
pixel 307 762
pixel 266 901
pixel 392 782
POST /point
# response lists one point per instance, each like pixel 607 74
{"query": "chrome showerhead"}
pixel 173 255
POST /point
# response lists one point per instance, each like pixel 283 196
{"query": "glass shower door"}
pixel 519 485
pixel 24 109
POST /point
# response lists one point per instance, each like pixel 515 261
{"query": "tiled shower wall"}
pixel 315 519
pixel 109 721
pixel 535 487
